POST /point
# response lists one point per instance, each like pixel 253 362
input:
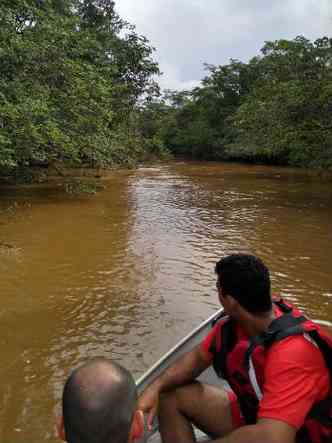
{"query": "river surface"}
pixel 126 272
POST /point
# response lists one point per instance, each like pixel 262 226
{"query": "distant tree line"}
pixel 73 77
pixel 275 109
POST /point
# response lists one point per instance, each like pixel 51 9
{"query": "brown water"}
pixel 128 271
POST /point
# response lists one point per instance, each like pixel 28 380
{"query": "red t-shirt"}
pixel 295 377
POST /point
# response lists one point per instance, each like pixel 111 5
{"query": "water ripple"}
pixel 128 272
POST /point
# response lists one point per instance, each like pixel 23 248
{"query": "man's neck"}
pixel 255 325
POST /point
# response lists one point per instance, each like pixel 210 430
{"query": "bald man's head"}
pixel 99 400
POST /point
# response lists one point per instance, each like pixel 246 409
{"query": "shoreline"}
pixel 39 177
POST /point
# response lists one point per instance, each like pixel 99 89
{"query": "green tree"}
pixel 71 75
pixel 198 122
pixel 286 117
pixel 274 109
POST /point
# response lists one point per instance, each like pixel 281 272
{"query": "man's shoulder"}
pixel 296 350
pixel 296 361
pixel 292 342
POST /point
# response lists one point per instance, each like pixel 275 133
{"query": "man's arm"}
pixel 184 370
pixel 265 431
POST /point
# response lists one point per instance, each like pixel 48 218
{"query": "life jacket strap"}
pixel 253 380
pixel 279 329
pixel 287 326
pixel 322 412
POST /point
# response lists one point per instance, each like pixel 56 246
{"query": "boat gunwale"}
pixel 175 348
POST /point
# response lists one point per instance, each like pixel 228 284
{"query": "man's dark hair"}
pixel 98 403
pixel 247 280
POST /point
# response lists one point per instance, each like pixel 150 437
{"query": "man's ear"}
pixel 137 426
pixel 60 428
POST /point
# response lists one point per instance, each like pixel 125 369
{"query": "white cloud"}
pixel 187 33
pixel 173 79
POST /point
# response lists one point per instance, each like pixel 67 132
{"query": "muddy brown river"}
pixel 126 272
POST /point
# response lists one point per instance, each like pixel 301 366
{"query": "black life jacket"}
pixel 246 378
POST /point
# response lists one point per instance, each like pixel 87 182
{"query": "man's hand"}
pixel 182 371
pixel 148 402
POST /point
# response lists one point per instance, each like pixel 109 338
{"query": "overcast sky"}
pixel 188 33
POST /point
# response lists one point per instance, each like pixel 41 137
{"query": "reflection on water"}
pixel 128 272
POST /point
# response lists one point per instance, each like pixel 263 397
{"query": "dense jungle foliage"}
pixel 275 109
pixel 78 87
pixel 72 78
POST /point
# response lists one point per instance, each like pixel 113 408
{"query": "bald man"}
pixel 99 405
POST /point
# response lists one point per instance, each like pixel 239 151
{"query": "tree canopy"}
pixel 78 86
pixel 274 109
pixel 71 75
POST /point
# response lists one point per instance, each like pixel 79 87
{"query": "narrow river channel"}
pixel 127 272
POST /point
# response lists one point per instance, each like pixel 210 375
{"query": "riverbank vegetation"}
pixel 78 88
pixel 73 77
pixel 275 109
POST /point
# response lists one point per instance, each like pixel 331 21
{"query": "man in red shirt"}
pixel 270 401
